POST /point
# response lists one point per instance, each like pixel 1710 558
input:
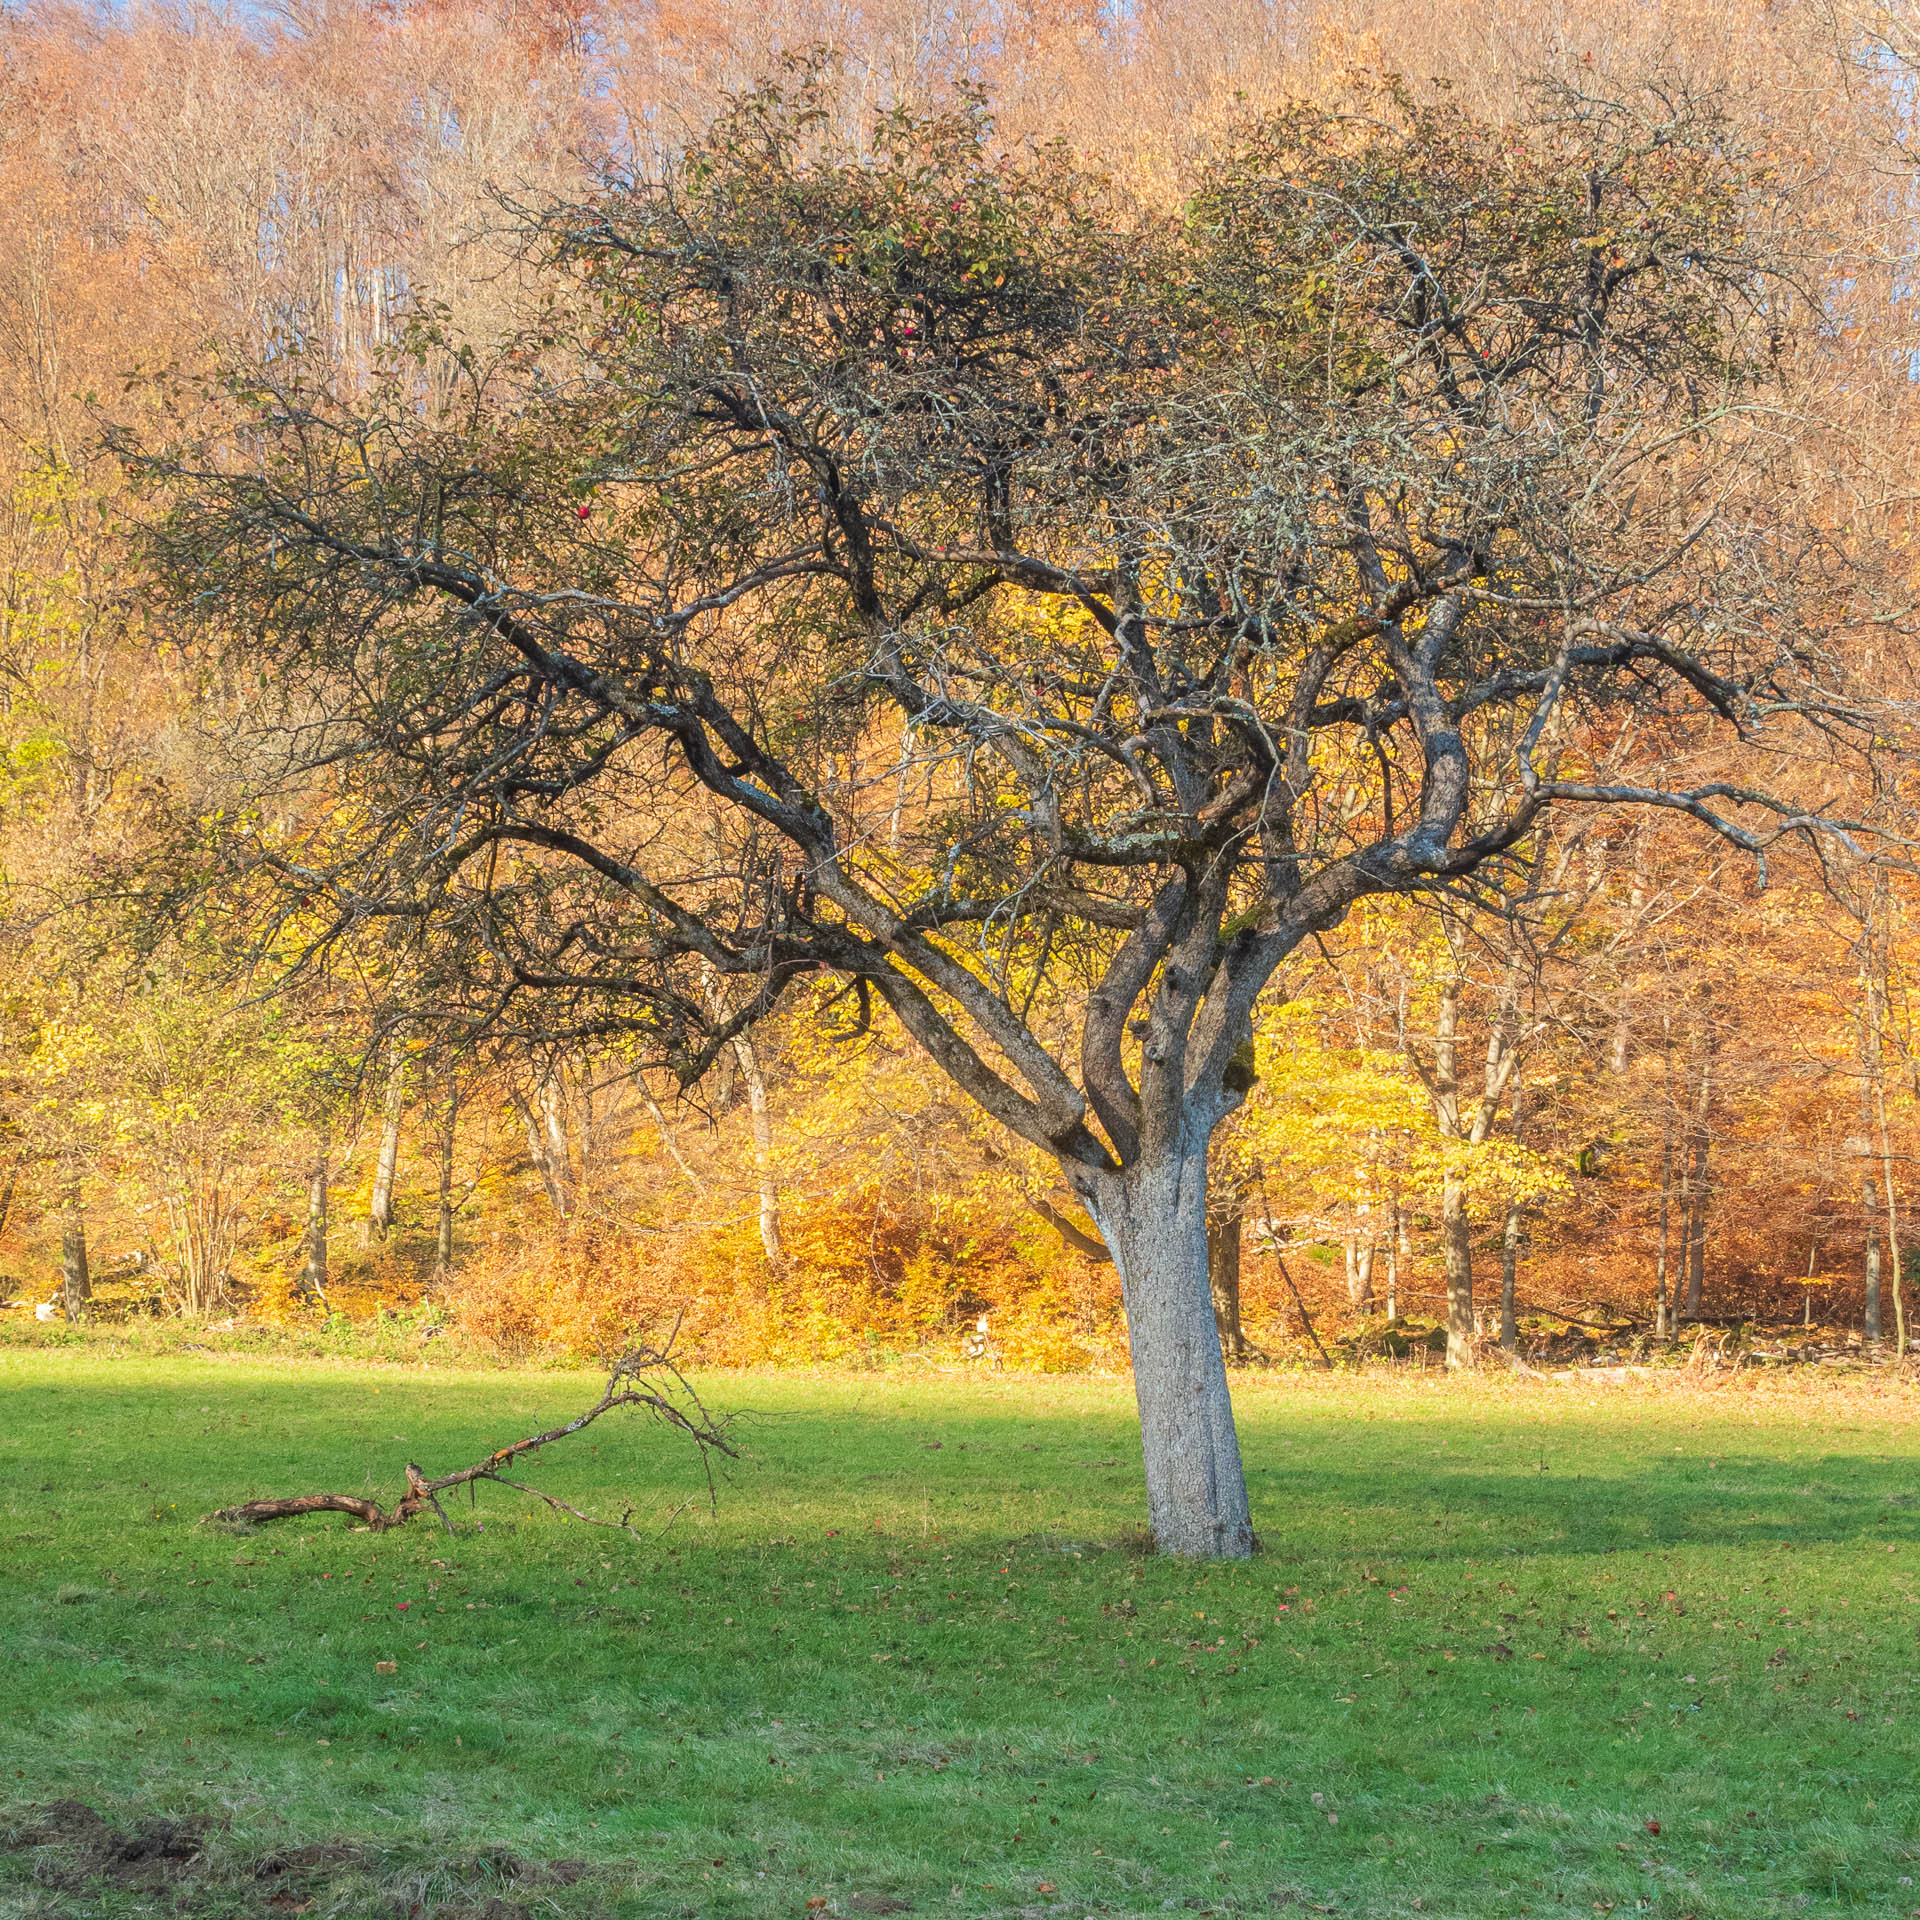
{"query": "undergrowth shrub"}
pixel 858 1281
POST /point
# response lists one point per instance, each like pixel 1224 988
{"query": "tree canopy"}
pixel 1218 569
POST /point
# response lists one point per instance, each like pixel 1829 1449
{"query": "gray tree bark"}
pixel 1662 1275
pixel 1456 1249
pixel 1360 1249
pixel 443 1236
pixel 1699 1148
pixel 552 1178
pixel 1511 1237
pixel 762 1149
pixel 1872 1070
pixel 10 1187
pixel 1396 1234
pixel 387 1160
pixel 558 1150
pixel 76 1283
pixel 1153 1218
pixel 313 1274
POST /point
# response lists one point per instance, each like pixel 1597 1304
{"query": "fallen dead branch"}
pixel 646 1378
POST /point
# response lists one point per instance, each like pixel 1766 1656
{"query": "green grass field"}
pixel 915 1661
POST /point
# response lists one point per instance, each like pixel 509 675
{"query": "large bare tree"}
pixel 1192 575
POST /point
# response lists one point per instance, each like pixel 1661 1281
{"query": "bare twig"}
pixel 645 1378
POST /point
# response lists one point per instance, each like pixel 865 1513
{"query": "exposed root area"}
pixel 84 1865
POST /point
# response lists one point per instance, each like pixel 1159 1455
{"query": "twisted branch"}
pixel 644 1378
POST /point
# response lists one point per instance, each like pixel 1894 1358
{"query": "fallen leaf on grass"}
pixel 386 1666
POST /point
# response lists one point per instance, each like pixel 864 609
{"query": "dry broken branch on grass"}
pixel 645 1378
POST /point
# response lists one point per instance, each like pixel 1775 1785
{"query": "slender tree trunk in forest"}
pixel 1224 1222
pixel 762 1148
pixel 1880 957
pixel 387 1159
pixel 1699 1145
pixel 1511 1236
pixel 76 1284
pixel 1153 1218
pixel 558 1150
pixel 1893 1225
pixel 1396 1230
pixel 1619 1050
pixel 1456 1246
pixel 10 1188
pixel 1360 1252
pixel 313 1274
pixel 443 1236
pixel 1696 1232
pixel 1695 1229
pixel 542 1159
pixel 1467 1127
pixel 1662 1289
pixel 1872 1082
pixel 1870 1326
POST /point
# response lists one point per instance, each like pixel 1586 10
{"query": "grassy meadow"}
pixel 1512 1648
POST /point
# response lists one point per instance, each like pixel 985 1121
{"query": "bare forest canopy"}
pixel 1648 1053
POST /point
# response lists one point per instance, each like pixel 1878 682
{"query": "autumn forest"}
pixel 1638 1063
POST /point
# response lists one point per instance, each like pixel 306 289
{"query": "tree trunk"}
pixel 313 1276
pixel 1510 1239
pixel 1360 1273
pixel 443 1238
pixel 1893 1217
pixel 1457 1245
pixel 1223 1273
pixel 1874 1108
pixel 1662 1277
pixel 1396 1231
pixel 762 1148
pixel 1869 1201
pixel 1512 1235
pixel 1696 1229
pixel 76 1284
pixel 379 1221
pixel 559 1153
pixel 1154 1221
pixel 1872 1082
pixel 1698 1149
pixel 8 1190
pixel 541 1159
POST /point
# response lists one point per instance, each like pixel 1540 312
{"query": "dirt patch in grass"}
pixel 82 1863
